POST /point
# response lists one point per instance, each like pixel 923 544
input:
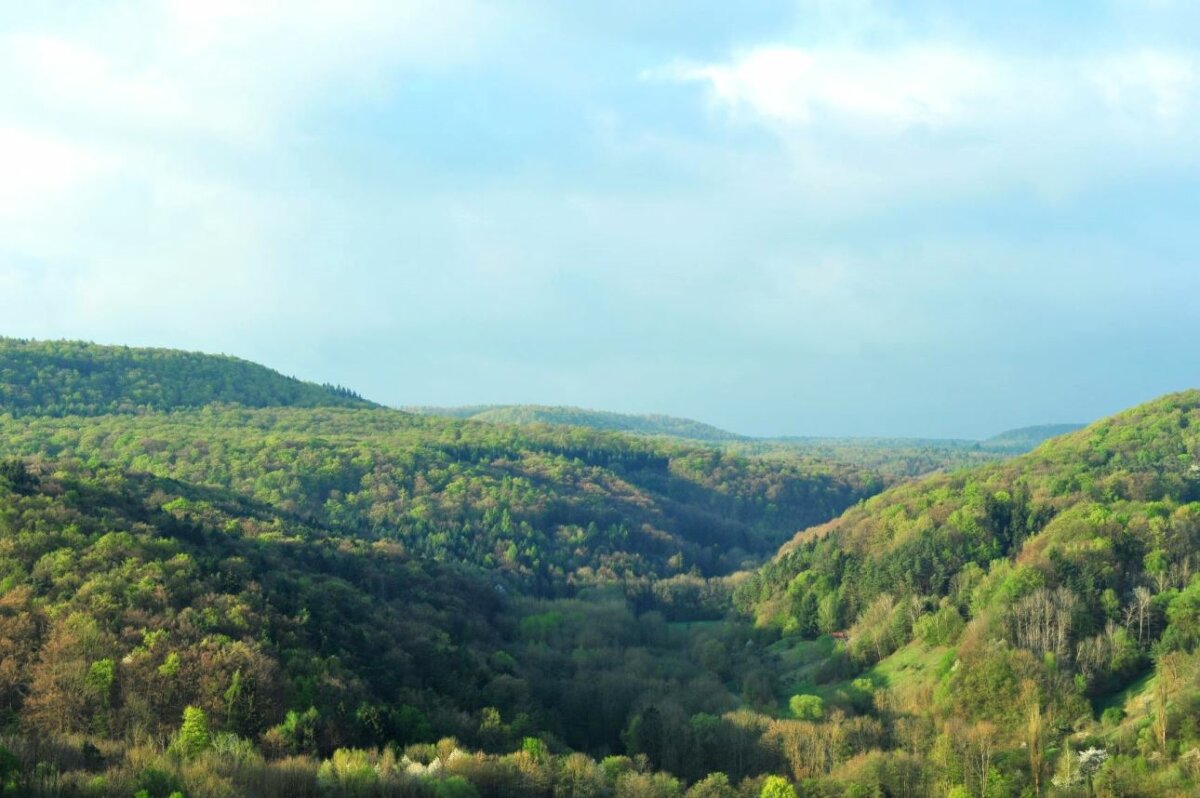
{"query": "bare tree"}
pixel 1141 607
pixel 1041 622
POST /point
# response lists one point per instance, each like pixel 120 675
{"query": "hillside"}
pixel 1026 591
pixel 130 601
pixel 304 581
pixel 548 508
pixel 648 424
pixel 60 378
pixel 1026 438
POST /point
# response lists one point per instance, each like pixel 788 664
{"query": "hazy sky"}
pixel 924 218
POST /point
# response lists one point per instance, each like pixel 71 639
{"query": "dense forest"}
pixel 549 508
pixel 268 598
pixel 1033 623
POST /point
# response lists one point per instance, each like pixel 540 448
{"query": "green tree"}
pixel 807 707
pixel 777 787
pixel 194 735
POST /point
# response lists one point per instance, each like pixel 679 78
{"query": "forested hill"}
pixel 916 537
pixel 1033 591
pixel 59 378
pixel 1026 438
pixel 545 507
pixel 636 424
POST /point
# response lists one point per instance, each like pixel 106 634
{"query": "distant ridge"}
pixel 637 424
pixel 59 378
pixel 1025 439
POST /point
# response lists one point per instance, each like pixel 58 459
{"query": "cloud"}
pixel 38 167
pixel 922 119
pixel 235 70
pixel 885 93
pixel 148 149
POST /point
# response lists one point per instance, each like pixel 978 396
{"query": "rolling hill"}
pixel 547 507
pixel 1023 594
pixel 1026 438
pixel 60 378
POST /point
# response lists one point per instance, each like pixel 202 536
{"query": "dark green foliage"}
pixel 60 378
pixel 17 476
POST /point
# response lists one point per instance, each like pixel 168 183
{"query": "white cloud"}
pixel 233 69
pixel 932 86
pixel 37 168
pixel 1163 87
pixel 125 130
pixel 938 121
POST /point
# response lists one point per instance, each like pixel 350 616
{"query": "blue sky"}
pixel 921 218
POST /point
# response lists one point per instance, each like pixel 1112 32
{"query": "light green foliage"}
pixel 101 676
pixel 170 665
pixel 807 707
pixel 348 770
pixel 194 735
pixel 940 628
pixel 647 785
pixel 714 785
pixel 777 787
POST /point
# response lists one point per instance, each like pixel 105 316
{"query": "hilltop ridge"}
pixel 59 378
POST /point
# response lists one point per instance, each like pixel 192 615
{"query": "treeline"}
pixel 61 378
pixel 199 763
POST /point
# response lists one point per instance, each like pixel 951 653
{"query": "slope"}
pixel 1022 595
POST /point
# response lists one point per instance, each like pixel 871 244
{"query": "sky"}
pixel 826 217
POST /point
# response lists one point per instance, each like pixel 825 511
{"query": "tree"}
pixel 194 735
pixel 18 476
pixel 1035 734
pixel 714 785
pixel 1041 621
pixel 777 787
pixel 807 707
pixel 979 747
pixel 1166 679
pixel 579 777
